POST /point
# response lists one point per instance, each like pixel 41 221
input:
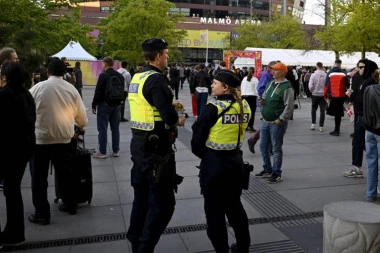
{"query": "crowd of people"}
pixel 46 115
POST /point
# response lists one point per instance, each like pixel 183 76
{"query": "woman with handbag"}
pixel 217 136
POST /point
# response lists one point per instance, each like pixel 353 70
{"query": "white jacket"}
pixel 249 88
pixel 58 107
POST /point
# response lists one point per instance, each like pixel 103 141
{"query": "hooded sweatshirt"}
pixel 370 68
pixel 317 83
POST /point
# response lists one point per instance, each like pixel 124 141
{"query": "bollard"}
pixel 351 227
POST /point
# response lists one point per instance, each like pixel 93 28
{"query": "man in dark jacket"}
pixel 78 78
pixel 174 79
pixel 355 82
pixel 153 122
pixel 366 69
pixel 202 84
pixel 106 113
pixel 335 91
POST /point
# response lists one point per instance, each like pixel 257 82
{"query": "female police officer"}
pixel 217 136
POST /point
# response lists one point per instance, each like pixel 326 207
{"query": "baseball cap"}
pixel 279 66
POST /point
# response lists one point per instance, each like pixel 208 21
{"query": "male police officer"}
pixel 154 120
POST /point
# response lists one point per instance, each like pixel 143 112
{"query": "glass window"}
pixel 261 6
pixel 210 2
pixel 104 8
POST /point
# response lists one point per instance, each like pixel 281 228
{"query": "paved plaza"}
pixel 284 217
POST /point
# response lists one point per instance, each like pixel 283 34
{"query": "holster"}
pixel 247 169
pixel 164 168
pixel 161 168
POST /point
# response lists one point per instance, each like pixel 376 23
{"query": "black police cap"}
pixel 228 77
pixel 154 44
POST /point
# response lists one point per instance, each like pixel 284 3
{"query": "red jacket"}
pixel 336 83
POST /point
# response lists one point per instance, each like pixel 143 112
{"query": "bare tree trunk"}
pixel 363 52
pixel 336 55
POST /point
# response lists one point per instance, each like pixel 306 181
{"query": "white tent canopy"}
pixel 75 52
pixel 294 57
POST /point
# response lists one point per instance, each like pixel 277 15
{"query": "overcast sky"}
pixel 312 7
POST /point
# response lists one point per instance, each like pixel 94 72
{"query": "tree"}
pixel 353 26
pixel 280 32
pixel 39 28
pixel 362 27
pixel 134 21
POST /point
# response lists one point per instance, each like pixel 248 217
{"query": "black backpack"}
pixel 371 108
pixel 114 91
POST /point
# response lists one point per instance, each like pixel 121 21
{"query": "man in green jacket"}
pixel 277 105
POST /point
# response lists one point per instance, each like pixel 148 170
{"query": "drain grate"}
pixel 278 247
pixel 285 246
pixel 71 241
pixel 271 204
pixel 170 230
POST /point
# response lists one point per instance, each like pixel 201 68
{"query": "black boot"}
pixel 235 249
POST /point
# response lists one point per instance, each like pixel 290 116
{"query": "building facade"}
pixel 209 23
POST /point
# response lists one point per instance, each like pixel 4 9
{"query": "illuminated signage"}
pixel 228 21
pixel 202 38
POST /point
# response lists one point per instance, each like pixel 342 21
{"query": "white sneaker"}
pixel 312 127
pixel 115 154
pixel 320 129
pixel 100 155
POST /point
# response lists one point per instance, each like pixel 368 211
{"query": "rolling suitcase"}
pixel 80 162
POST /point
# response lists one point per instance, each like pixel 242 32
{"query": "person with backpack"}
pixel 366 69
pixel 109 95
pixel 371 120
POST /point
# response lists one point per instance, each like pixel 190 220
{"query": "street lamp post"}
pixel 270 9
pixel 250 9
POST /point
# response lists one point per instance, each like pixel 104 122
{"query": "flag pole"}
pixel 206 63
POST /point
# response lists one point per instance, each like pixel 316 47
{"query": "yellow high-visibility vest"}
pixel 224 134
pixel 143 115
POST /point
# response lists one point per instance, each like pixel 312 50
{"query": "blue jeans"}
pixel 270 133
pixel 201 98
pixel 372 145
pixel 107 114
